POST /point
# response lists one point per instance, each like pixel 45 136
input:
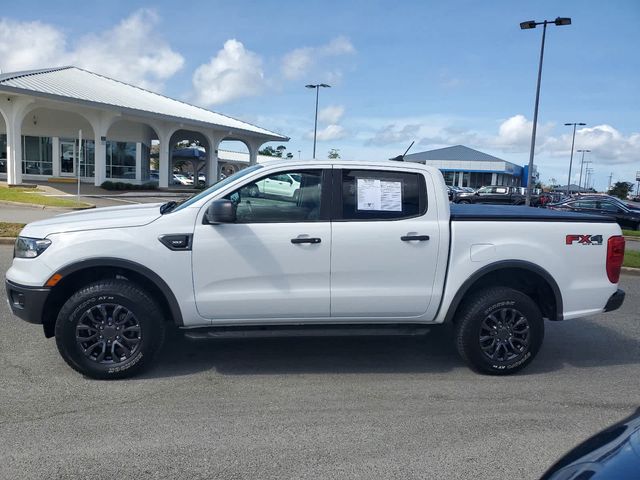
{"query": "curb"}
pixel 631 239
pixel 42 207
pixel 631 271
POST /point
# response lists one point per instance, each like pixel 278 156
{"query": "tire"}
pixel 115 318
pixel 464 202
pixel 513 345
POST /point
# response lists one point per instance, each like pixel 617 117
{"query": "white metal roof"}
pixel 82 86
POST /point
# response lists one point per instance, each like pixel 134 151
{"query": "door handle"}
pixel 411 238
pixel 305 240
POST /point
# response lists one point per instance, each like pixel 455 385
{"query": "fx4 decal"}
pixel 584 239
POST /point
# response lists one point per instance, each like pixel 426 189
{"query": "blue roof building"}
pixel 465 167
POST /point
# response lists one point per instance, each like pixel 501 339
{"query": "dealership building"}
pixel 42 113
pixel 465 167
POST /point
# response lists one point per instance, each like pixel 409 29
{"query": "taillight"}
pixel 615 256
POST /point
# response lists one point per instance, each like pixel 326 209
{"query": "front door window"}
pixel 67 159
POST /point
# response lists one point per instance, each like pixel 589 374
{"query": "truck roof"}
pixel 341 162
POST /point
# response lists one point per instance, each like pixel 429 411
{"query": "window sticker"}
pixel 380 195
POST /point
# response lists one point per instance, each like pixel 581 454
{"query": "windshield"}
pixel 215 187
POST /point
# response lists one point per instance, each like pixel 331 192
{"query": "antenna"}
pixel 400 158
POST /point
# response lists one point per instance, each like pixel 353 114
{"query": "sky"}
pixel 437 73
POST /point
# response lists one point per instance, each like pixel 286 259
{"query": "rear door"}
pixel 385 241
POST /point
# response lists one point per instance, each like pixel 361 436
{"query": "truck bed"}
pixel 511 213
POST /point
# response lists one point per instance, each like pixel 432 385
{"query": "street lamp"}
pixel 317 86
pixel 526 26
pixel 573 141
pixel 581 165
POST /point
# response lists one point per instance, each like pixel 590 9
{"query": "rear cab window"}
pixel 368 195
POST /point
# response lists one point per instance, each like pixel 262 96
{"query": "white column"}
pixel 163 161
pixel 100 122
pixel 14 152
pixel 213 165
pixel 460 177
pixel 100 158
pixel 14 109
pixel 138 162
pixel 55 156
pixel 494 178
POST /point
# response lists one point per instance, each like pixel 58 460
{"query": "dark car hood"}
pixel 611 454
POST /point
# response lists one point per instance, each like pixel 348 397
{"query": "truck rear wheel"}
pixel 109 329
pixel 499 331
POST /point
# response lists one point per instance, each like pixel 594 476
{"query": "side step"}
pixel 205 333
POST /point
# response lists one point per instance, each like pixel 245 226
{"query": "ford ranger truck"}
pixel 361 247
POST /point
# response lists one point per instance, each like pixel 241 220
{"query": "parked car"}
pixel 373 245
pixel 180 179
pixel 611 198
pixel 494 194
pixel 285 185
pixel 612 454
pixel 626 218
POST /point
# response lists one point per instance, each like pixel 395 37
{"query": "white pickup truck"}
pixel 362 247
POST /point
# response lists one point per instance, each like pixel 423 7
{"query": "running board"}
pixel 303 331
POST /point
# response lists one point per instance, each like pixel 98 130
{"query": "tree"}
pixel 268 151
pixel 334 153
pixel 279 152
pixel 621 189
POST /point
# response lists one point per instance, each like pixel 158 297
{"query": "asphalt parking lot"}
pixel 314 408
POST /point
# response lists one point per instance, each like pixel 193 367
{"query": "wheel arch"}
pixel 77 274
pixel 521 275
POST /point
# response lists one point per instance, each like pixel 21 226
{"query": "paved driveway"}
pixel 317 408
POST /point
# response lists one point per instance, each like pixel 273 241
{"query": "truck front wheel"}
pixel 499 331
pixel 109 329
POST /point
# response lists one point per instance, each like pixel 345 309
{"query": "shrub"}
pixel 109 185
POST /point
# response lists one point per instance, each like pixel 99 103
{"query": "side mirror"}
pixel 220 211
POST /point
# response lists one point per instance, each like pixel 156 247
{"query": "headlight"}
pixel 30 247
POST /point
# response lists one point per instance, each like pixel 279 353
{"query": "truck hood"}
pixel 94 219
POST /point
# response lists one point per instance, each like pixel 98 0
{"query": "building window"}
pixel 3 153
pixel 145 158
pixel 465 179
pixel 121 160
pixel 88 160
pixel 36 155
pixel 448 177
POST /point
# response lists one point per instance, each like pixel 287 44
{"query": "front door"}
pixel 273 262
pixel 68 159
pixel 384 246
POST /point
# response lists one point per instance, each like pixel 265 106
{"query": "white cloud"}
pixel 27 45
pixel 300 61
pixel 233 73
pixel 331 114
pixel 131 51
pixel 330 132
pixel 392 133
pixel 338 46
pixel 297 62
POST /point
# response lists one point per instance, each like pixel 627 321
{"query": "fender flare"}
pixel 149 274
pixel 519 264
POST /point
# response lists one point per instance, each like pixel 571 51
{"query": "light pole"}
pixel 581 165
pixel 317 86
pixel 573 141
pixel 587 181
pixel 526 26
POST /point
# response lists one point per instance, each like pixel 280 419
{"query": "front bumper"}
pixel 615 301
pixel 27 302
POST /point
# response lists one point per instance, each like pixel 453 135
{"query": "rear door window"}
pixel 381 195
